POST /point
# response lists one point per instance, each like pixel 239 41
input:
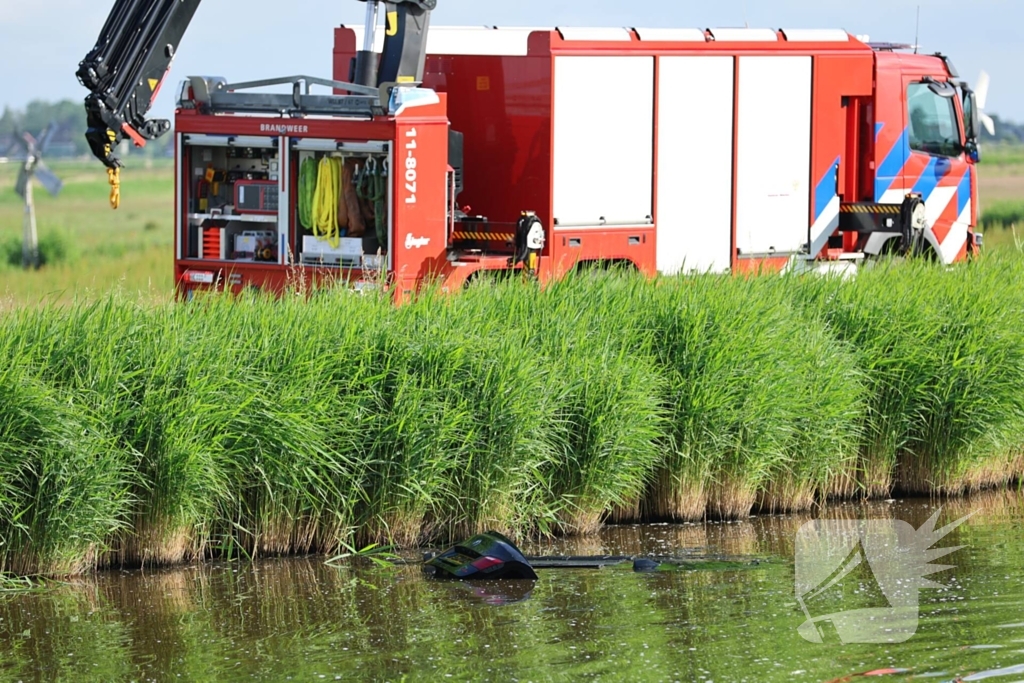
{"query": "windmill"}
pixel 34 168
pixel 982 93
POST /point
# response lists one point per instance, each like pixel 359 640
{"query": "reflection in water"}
pixel 495 593
pixel 305 620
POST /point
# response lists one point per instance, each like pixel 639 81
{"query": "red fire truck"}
pixel 477 150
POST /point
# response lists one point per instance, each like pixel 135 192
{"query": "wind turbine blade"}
pixel 47 179
pixel 982 90
pixel 989 124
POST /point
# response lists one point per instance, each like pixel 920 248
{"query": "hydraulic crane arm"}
pixel 125 69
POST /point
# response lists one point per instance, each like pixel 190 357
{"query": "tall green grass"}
pixel 463 426
pixel 134 434
pixel 764 402
pixel 593 348
pixel 62 491
pixel 942 353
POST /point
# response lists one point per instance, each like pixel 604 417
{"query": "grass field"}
pixel 131 249
pixel 1003 159
pixel 1002 195
pixel 102 249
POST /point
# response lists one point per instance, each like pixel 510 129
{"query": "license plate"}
pixel 200 278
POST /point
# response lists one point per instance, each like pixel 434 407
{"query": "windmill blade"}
pixel 982 90
pixel 47 136
pixel 48 179
pixel 988 123
pixel 12 147
pixel 22 184
pixel 18 141
pixel 981 93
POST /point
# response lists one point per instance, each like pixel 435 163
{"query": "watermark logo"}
pixel 881 562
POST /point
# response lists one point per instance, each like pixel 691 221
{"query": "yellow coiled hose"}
pixel 326 199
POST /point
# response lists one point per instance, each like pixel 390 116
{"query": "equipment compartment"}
pixel 343 199
pixel 232 198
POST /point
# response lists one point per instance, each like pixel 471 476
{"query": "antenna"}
pixel 917 31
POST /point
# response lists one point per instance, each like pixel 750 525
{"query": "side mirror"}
pixel 972 114
pixel 973 150
pixel 972 125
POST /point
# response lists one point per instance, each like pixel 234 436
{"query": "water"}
pixel 302 620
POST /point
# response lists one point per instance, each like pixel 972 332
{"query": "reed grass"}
pixel 463 428
pixel 941 351
pixel 596 348
pixel 764 402
pixel 138 434
pixel 61 491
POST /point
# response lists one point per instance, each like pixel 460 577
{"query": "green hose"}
pixel 379 191
pixel 371 185
pixel 307 190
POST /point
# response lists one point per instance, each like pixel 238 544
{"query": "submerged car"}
pixel 486 556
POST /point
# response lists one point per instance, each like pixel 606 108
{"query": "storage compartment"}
pixel 773 156
pixel 603 157
pixel 332 211
pixel 695 197
pixel 232 198
pixel 342 213
pixel 235 240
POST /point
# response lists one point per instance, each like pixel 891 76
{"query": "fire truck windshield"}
pixel 933 125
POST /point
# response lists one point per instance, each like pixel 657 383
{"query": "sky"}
pixel 42 41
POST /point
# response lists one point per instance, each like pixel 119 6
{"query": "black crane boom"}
pixel 140 38
pixel 126 68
